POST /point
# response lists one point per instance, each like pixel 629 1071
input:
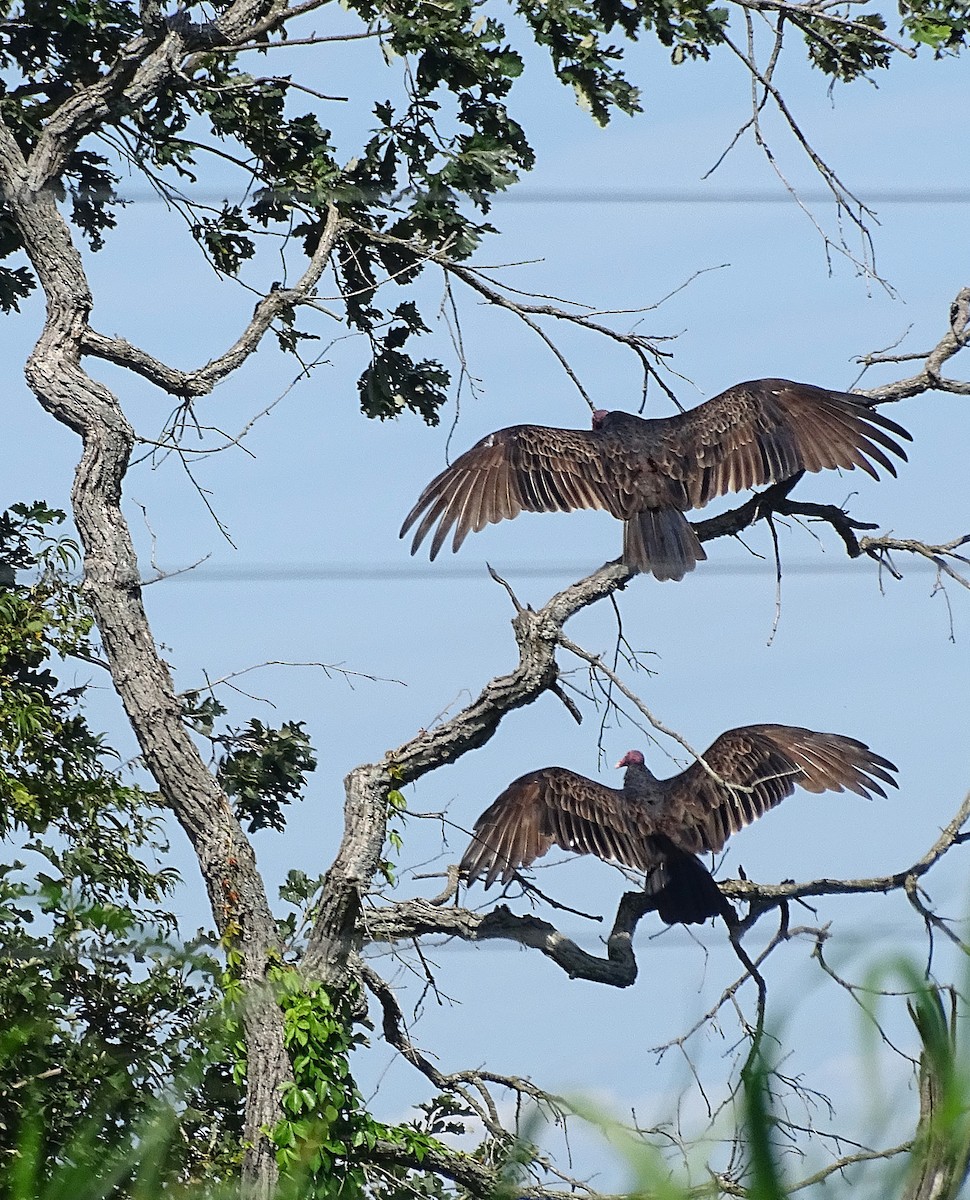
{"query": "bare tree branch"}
pixel 859 214
pixel 931 377
pixel 879 548
pixel 768 895
pixel 645 348
pixel 417 918
pixel 201 381
pixel 365 813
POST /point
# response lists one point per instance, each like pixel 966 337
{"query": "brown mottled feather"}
pixel 700 813
pixel 532 469
pixel 767 429
pixel 546 808
pixel 647 473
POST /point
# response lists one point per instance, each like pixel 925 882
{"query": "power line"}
pixel 685 196
pixel 627 196
pixel 380 572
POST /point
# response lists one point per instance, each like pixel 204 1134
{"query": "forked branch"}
pixel 199 382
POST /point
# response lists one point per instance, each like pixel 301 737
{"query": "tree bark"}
pixel 112 586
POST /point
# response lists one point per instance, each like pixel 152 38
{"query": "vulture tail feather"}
pixel 689 894
pixel 662 543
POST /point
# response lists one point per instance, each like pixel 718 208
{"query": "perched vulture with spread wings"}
pixel 648 473
pixel 659 826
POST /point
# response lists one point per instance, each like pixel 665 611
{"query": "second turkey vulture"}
pixel 648 473
pixel 659 826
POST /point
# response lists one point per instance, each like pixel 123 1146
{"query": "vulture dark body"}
pixel 648 473
pixel 658 826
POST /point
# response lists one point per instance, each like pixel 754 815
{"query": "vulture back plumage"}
pixel 648 473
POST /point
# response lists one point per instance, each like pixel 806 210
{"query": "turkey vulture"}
pixel 648 473
pixel 658 826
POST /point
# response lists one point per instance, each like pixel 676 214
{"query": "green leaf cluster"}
pixel 940 24
pixel 397 812
pixel 847 51
pixel 52 764
pixel 327 1133
pixel 16 283
pixel 47 51
pixel 574 31
pixel 99 1010
pixel 264 769
pixel 99 1014
pixel 260 768
pixel 393 381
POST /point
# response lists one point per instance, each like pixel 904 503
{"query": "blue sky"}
pixel 321 488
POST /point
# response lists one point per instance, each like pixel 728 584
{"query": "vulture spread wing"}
pixel 557 807
pixel 553 807
pixel 659 826
pixel 525 468
pixel 647 473
pixel 768 762
pixel 767 430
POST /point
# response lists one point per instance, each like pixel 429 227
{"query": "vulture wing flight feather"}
pixel 767 430
pixel 659 826
pixel 525 468
pixel 764 763
pixel 552 807
pixel 648 473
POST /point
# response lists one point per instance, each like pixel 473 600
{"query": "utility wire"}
pixel 526 195
pixel 361 572
pixel 955 195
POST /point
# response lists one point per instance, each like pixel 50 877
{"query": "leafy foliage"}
pixel 393 380
pixel 99 1012
pixel 847 51
pixel 261 768
pixel 327 1133
pixel 426 172
pixel 76 41
pixel 397 812
pixel 299 891
pixel 266 769
pixel 573 34
pixel 941 25
pixel 52 765
pixel 16 283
